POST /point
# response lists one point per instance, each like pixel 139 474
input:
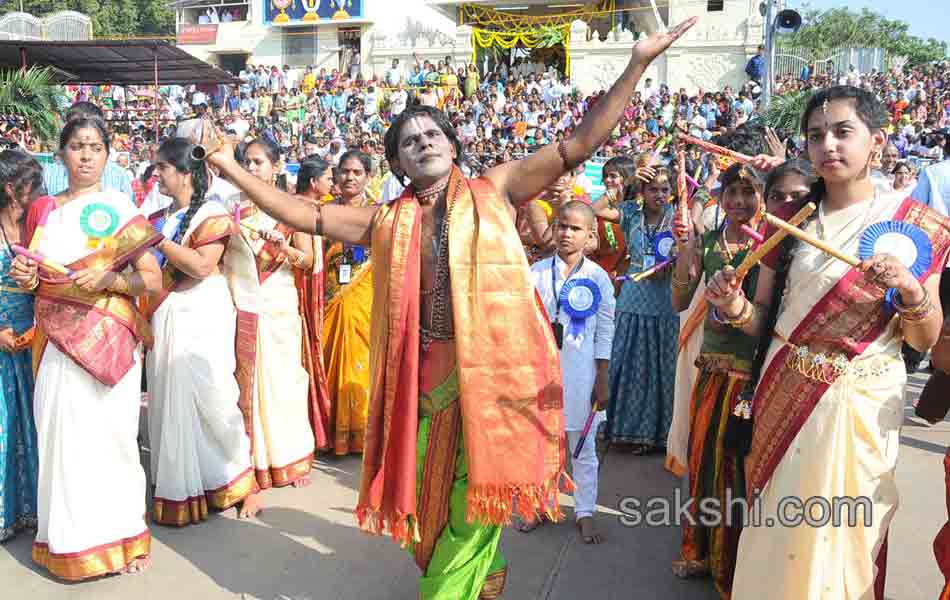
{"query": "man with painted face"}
pixel 465 419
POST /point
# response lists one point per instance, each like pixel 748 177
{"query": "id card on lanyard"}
pixel 345 273
pixel 556 324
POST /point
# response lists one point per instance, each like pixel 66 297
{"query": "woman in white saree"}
pixel 829 405
pixel 259 265
pixel 89 337
pixel 200 452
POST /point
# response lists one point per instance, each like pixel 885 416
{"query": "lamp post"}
pixel 785 22
pixel 769 53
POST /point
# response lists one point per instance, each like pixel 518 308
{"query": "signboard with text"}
pixel 197 34
pixel 284 12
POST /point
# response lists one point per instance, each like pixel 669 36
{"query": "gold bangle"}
pixel 917 312
pixel 743 318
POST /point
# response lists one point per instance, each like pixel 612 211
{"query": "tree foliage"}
pixel 110 18
pixel 34 95
pixel 785 110
pixel 822 31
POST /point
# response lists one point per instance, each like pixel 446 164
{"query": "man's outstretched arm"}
pixel 523 180
pixel 344 223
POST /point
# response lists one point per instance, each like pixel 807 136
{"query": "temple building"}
pixel 588 41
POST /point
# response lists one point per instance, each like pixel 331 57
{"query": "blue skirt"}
pixel 19 460
pixel 642 375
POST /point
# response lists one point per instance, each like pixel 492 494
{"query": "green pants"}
pixel 465 554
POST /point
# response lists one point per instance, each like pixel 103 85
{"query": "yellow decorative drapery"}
pixel 483 38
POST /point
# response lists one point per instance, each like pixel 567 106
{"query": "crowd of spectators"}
pixel 499 117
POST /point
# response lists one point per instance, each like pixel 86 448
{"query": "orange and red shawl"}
pixel 509 375
pixel 100 331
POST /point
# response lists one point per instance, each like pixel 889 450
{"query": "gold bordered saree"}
pixel 827 416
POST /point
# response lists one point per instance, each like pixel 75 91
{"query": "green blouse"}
pixel 725 348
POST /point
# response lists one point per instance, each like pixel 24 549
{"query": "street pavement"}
pixel 305 545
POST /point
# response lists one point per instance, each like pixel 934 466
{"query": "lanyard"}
pixel 557 300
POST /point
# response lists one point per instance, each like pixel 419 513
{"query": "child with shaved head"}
pixel 578 296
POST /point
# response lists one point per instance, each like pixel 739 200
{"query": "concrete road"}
pixel 305 545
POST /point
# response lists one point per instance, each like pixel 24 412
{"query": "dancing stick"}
pixel 644 274
pixel 681 189
pixel 38 233
pixel 810 239
pixel 52 266
pixel 661 143
pixel 255 234
pixel 752 258
pixel 752 233
pixel 590 421
pixel 710 147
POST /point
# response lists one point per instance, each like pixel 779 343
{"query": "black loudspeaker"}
pixel 788 22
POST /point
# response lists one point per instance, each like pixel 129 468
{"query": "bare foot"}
pixel 529 526
pixel 136 566
pixel 302 482
pixel 687 569
pixel 589 535
pixel 251 505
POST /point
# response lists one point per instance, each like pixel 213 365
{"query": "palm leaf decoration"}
pixel 33 95
pixel 549 36
pixel 785 111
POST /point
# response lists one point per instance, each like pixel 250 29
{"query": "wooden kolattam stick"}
pixel 752 258
pixel 652 270
pixel 810 239
pixel 710 147
pixel 682 191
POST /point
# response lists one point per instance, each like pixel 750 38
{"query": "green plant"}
pixel 785 111
pixel 33 95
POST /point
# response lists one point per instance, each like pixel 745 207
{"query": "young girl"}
pixel 789 183
pixel 829 404
pixel 200 452
pixel 643 360
pixel 724 366
pixel 612 251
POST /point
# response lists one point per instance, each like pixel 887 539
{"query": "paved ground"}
pixel 305 545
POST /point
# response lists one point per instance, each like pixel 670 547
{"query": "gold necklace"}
pixel 724 246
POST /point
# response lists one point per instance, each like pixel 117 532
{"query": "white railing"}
pixel 791 60
pixel 60 26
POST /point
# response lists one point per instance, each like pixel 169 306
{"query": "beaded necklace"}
pixel 440 322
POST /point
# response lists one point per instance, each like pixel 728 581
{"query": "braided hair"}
pixel 177 152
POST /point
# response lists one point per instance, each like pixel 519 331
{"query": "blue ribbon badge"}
pixel 907 242
pixel 580 299
pixel 663 246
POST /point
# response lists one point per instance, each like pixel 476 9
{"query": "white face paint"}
pixel 425 153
